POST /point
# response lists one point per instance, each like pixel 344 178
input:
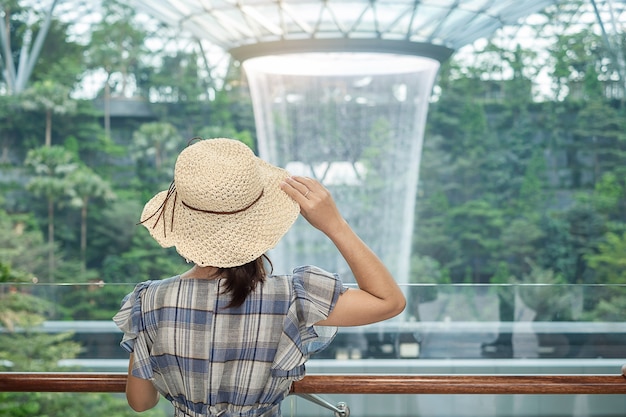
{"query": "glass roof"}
pixel 232 24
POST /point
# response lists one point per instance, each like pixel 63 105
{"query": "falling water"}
pixel 355 122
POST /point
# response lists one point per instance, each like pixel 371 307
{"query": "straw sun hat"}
pixel 224 208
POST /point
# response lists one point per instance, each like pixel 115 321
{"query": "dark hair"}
pixel 242 280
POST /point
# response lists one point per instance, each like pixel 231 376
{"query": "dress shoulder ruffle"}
pixel 314 295
pixel 130 321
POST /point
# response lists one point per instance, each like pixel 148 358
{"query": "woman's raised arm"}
pixel 378 297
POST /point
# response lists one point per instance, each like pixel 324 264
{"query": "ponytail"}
pixel 242 280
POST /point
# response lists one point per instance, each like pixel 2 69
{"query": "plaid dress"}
pixel 210 360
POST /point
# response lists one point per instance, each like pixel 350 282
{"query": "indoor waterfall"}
pixel 354 121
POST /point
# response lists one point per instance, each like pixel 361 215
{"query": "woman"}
pixel 226 338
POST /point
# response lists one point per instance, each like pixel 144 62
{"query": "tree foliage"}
pixel 511 189
pixel 534 187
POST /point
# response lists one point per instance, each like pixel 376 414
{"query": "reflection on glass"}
pixel 545 328
pixel 447 329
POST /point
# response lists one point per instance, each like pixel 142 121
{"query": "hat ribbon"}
pixel 172 191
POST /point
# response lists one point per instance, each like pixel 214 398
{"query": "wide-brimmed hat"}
pixel 225 206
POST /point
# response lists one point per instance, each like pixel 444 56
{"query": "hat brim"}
pixel 224 240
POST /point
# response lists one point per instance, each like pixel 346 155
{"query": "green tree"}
pixel 23 248
pixel 609 261
pixel 547 294
pixel 143 261
pixel 34 47
pixel 157 141
pixel 550 302
pixel 51 98
pixel 113 230
pixel 25 348
pixel 85 185
pixel 116 46
pixel 244 136
pixel 51 166
pixel 179 79
pixel 10 122
pixel 599 133
pixel 556 249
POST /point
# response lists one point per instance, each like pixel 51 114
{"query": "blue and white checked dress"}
pixel 210 360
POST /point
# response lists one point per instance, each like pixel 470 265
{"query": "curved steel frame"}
pixel 439 53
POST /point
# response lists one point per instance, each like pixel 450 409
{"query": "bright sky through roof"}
pixel 445 22
pixel 339 64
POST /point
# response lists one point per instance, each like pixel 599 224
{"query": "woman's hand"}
pixel 316 203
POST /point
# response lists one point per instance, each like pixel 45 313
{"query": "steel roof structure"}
pixel 432 28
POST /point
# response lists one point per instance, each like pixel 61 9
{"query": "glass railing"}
pixel 444 328
pixel 490 330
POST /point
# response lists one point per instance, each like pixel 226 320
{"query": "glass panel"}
pixel 445 329
pixel 103 405
pixel 463 406
pixel 532 328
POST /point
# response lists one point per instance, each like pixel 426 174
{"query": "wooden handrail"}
pixel 348 384
pixel 62 382
pixel 461 384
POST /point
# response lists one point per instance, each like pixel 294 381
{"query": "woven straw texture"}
pixel 227 208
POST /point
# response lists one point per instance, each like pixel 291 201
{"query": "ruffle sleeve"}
pixel 135 339
pixel 314 295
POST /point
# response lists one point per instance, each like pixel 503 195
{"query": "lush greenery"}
pixel 514 190
pixel 509 184
pixel 73 180
pixel 511 188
